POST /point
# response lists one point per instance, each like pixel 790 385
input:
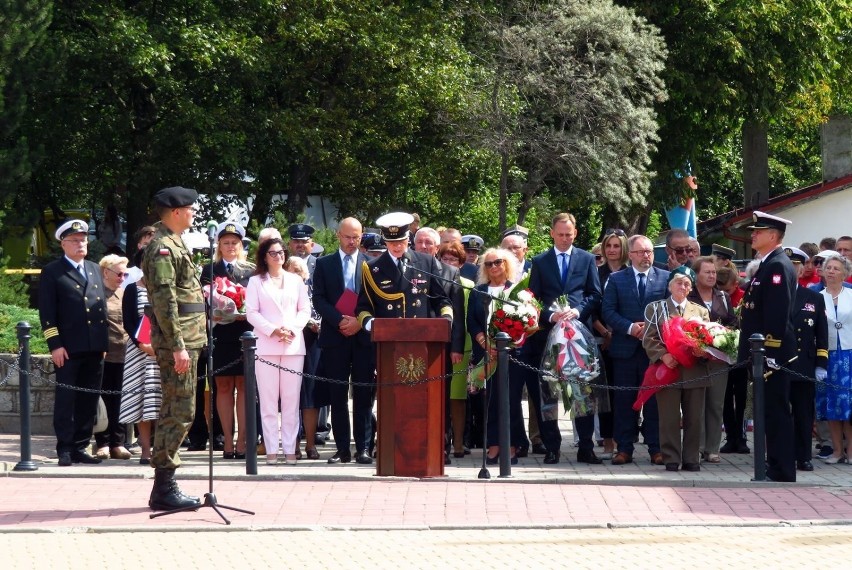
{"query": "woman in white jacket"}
pixel 833 400
pixel 278 307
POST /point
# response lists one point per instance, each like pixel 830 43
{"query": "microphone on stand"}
pixel 211 230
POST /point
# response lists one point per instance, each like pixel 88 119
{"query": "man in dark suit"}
pixel 570 271
pixel 811 328
pixel 627 293
pixel 345 347
pixel 767 309
pixel 72 310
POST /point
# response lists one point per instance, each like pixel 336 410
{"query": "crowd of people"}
pixel 313 314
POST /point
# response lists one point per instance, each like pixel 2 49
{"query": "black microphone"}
pixel 211 230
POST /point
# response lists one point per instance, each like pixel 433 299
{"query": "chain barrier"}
pixel 13 366
pixel 593 384
pixel 413 382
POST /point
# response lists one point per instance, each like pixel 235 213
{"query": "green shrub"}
pixel 10 316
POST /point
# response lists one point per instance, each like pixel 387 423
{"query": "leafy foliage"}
pixel 10 316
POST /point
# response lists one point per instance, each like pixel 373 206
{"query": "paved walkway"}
pixel 314 494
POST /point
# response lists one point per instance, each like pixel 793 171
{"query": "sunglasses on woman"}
pixel 614 231
pixel 496 262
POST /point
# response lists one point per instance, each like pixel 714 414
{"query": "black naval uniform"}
pixel 72 310
pixel 811 328
pixel 389 293
pixel 767 308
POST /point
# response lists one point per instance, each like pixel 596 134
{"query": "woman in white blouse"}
pixel 278 307
pixel 833 399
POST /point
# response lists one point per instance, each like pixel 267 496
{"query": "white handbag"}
pixel 101 420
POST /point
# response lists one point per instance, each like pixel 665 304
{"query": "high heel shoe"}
pixel 290 459
pixel 228 455
pixel 271 459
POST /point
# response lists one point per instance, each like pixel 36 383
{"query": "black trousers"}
pixel 733 411
pixel 628 372
pixel 780 455
pixel 74 411
pixel 339 363
pixel 802 394
pixel 114 434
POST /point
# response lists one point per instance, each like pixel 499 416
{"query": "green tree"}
pixel 567 102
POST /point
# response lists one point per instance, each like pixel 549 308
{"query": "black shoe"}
pixel 340 457
pixel 492 460
pixel 166 495
pixel 363 457
pixel 238 455
pixel 447 460
pixel 551 458
pixel 691 467
pixel 804 466
pixel 743 448
pixel 588 456
pixel 671 466
pixel 197 447
pixel 84 457
pixel 64 458
pixel 729 447
pixel 219 443
pixel 319 440
pixel 825 452
pixel 523 452
pixel 539 449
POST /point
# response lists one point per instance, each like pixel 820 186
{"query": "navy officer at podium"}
pixel 400 283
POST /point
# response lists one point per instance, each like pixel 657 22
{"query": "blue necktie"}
pixel 564 268
pixel 642 287
pixel 348 272
pixel 82 269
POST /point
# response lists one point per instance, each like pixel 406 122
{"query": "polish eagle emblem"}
pixel 409 368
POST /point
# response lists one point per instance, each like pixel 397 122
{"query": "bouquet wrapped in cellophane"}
pixel 228 300
pixel 571 369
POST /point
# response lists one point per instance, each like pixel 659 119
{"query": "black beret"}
pixel 175 197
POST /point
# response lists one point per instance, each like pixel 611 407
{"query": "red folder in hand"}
pixel 346 303
pixel 143 331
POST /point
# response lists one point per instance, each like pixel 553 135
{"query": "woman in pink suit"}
pixel 278 307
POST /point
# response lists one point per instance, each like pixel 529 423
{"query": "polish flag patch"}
pixel 164 251
pixel 776 279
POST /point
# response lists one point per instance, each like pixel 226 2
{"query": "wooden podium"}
pixel 411 418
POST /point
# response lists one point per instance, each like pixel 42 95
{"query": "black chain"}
pixel 598 386
pixel 412 382
pixel 12 367
pixel 807 378
pixel 141 390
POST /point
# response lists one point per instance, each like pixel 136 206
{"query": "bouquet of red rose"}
pixel 685 339
pixel 519 318
pixel 228 300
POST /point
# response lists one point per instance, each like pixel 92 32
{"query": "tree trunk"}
pixel 755 164
pixel 297 197
pixel 504 191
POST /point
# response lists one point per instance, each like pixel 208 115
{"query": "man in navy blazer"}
pixel 73 317
pixel 345 346
pixel 623 309
pixel 570 271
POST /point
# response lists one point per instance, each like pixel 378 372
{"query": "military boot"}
pixel 166 495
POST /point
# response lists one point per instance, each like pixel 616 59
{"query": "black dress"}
pixel 227 347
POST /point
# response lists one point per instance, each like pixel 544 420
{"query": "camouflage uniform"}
pixel 178 303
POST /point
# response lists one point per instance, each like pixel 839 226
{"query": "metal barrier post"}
pixel 249 340
pixel 757 367
pixel 503 438
pixel 26 463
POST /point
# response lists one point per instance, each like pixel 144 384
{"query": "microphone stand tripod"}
pixel 209 497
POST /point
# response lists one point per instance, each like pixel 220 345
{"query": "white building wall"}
pixel 829 215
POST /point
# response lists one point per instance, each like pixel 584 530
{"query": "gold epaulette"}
pixel 822 353
pixel 50 333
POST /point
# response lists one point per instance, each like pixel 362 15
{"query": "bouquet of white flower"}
pixel 726 342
